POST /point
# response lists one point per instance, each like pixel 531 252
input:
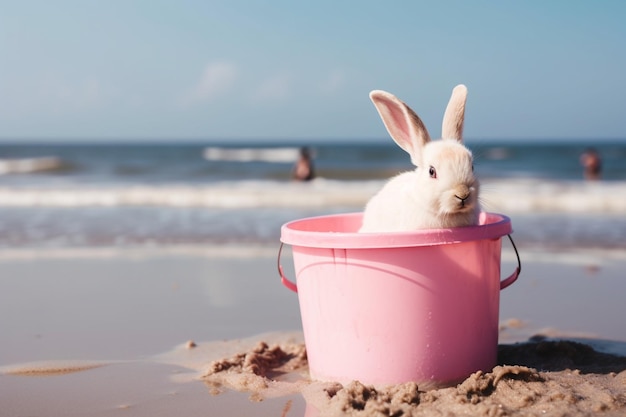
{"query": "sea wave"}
pixel 506 196
pixel 29 165
pixel 284 154
pixel 235 194
pixel 537 195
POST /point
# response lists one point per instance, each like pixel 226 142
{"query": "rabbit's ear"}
pixel 404 126
pixel 454 116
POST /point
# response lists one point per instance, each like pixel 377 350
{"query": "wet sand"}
pixel 122 321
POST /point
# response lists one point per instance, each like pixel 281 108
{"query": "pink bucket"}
pixel 388 308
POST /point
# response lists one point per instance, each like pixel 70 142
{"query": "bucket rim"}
pixel 300 233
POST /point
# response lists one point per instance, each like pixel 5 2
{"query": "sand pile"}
pixel 263 371
pixel 538 378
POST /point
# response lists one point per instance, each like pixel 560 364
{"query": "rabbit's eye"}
pixel 432 172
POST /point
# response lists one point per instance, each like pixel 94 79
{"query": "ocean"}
pixel 156 194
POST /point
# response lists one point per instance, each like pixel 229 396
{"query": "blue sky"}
pixel 235 69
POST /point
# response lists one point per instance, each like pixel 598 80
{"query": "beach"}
pixel 107 331
pixel 122 309
pixel 132 287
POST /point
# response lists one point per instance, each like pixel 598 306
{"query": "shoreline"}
pixel 575 254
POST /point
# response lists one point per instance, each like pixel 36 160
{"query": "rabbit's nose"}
pixel 462 193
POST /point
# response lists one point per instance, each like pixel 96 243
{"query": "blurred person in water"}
pixel 303 170
pixel 592 164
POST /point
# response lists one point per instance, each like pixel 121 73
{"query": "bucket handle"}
pixel 503 284
pixel 513 277
pixel 289 284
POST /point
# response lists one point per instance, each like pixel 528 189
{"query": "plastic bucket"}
pixel 388 308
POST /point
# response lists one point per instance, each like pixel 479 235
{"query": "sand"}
pixel 566 378
pixel 104 332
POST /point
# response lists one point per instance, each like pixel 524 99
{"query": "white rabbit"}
pixel 442 191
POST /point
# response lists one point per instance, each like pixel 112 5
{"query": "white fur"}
pixel 414 200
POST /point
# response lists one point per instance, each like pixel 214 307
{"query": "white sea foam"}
pixel 506 196
pixel 240 194
pixel 536 195
pixel 285 154
pixel 28 165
